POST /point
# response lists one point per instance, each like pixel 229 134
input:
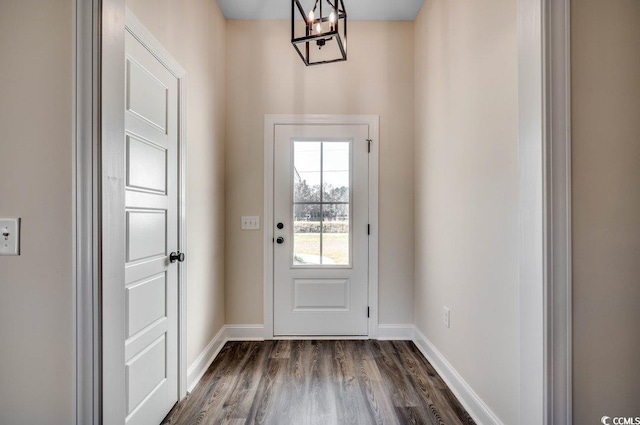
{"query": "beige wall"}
pixel 466 180
pixel 194 33
pixel 36 329
pixel 265 76
pixel 606 208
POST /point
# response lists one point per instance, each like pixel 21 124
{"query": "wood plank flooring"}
pixel 320 382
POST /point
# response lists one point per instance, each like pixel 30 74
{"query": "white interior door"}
pixel 151 205
pixel 321 229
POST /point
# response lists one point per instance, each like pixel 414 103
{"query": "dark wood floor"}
pixel 320 382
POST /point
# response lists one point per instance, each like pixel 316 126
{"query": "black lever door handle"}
pixel 280 240
pixel 176 256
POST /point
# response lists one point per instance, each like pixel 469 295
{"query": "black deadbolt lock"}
pixel 280 226
pixel 176 256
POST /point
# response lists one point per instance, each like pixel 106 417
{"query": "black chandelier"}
pixel 319 35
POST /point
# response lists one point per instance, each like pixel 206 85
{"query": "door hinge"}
pixel 369 141
pixel 368 312
pixel 368 229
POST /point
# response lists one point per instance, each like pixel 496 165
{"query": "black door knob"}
pixel 176 256
pixel 280 226
pixel 280 240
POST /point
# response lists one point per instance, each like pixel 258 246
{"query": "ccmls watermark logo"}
pixel 606 420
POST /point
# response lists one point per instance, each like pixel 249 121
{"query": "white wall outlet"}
pixel 250 223
pixel 446 316
pixel 9 236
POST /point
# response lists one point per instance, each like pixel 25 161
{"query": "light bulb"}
pixel 332 17
pixel 318 28
pixel 311 16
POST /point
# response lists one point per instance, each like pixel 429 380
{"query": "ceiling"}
pixel 359 10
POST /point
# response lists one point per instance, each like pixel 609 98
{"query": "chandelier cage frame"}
pixel 323 37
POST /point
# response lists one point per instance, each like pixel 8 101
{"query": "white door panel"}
pixel 321 251
pixel 321 294
pixel 146 303
pixel 146 96
pixel 151 208
pixel 146 234
pixel 145 372
pixel 146 168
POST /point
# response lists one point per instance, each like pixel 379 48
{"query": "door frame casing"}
pixel 272 120
pixel 86 177
pixel 544 211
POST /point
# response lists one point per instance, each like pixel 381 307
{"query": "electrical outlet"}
pixel 446 316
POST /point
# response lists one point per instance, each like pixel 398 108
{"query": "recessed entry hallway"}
pixel 320 382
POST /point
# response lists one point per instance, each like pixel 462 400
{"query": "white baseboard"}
pixel 204 360
pixel 395 332
pixel 244 332
pixel 474 405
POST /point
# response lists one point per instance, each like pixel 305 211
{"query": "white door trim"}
pixel 270 121
pixel 544 101
pixel 559 406
pixel 86 383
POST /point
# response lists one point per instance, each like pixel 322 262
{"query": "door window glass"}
pixel 321 197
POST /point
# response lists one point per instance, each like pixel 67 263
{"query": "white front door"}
pixel 321 210
pixel 151 202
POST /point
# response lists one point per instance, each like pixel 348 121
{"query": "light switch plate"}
pixel 446 316
pixel 9 236
pixel 250 223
